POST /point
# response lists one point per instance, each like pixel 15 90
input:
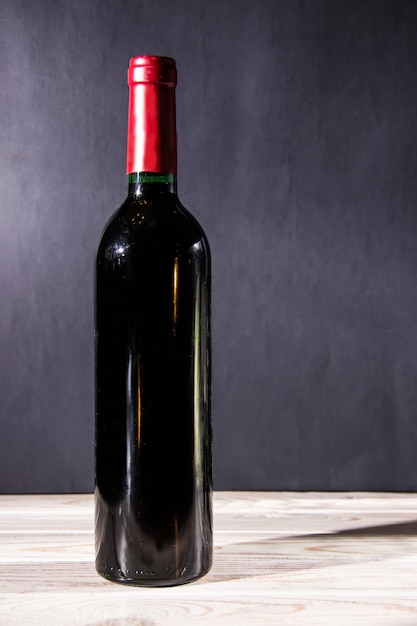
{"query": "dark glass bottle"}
pixel 153 487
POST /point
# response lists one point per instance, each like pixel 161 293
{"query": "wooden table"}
pixel 280 558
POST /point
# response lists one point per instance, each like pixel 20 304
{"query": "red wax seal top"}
pixel 151 69
pixel 151 140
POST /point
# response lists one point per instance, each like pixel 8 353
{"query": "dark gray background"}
pixel 297 124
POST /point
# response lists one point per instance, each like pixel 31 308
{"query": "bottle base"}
pixel 147 581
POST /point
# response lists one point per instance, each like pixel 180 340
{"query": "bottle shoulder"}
pixel 144 223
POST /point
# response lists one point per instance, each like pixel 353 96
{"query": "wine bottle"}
pixel 153 485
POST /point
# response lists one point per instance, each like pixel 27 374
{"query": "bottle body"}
pixel 153 432
pixel 153 486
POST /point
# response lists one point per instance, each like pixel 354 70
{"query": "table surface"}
pixel 280 558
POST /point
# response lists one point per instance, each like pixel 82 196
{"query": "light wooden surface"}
pixel 280 558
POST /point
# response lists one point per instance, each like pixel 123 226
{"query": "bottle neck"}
pixel 152 139
pixel 144 183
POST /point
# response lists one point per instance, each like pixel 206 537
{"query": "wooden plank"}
pixel 280 558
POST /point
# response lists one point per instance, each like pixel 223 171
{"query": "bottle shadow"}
pixel 380 530
pixel 263 557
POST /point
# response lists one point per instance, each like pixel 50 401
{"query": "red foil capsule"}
pixel 151 134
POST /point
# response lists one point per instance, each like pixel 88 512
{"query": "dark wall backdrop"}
pixel 297 124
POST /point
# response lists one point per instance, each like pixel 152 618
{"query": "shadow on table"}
pixel 380 530
pixel 263 557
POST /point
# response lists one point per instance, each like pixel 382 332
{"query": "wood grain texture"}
pixel 280 558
